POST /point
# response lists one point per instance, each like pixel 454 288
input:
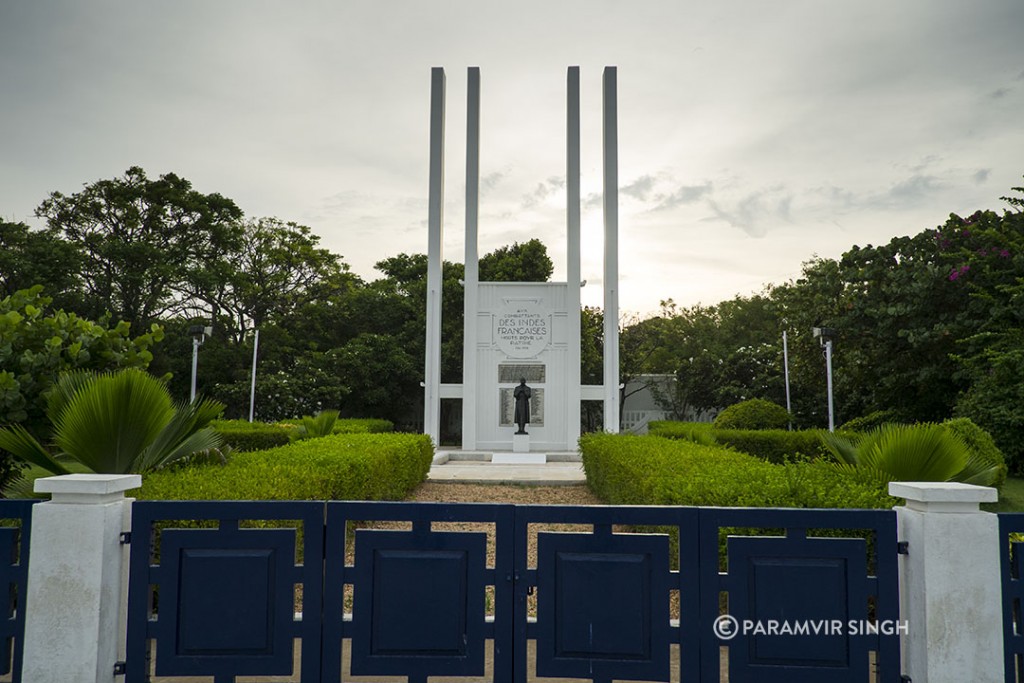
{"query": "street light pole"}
pixel 252 389
pixel 195 366
pixel 828 366
pixel 785 364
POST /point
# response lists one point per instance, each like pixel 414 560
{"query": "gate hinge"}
pixel 126 537
pixel 119 668
pixel 903 548
pixel 904 678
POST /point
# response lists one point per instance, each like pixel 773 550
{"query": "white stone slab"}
pixel 519 459
pixel 944 496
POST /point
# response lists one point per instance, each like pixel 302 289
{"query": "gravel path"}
pixel 504 493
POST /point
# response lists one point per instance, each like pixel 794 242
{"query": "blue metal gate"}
pixel 1011 570
pixel 15 533
pixel 336 591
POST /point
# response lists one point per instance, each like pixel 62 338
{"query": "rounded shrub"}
pixel 980 444
pixel 754 413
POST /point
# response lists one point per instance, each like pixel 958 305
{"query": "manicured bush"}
pixel 980 443
pixel 632 470
pixel 870 421
pixel 337 467
pixel 243 435
pixel 697 432
pixel 755 413
pixel 773 445
pixel 363 425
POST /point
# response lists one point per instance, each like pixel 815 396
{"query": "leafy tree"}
pixel 274 270
pixel 116 423
pixel 526 262
pixel 38 345
pixel 36 257
pixel 142 239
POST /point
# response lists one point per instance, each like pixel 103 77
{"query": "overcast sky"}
pixel 753 134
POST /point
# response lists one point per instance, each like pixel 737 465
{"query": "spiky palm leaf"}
pixel 17 441
pixel 117 423
pixel 109 422
pixel 924 452
pixel 313 427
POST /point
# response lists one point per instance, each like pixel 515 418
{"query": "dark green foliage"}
pixel 774 445
pixel 632 470
pixel 754 413
pixel 339 467
pixel 870 421
pixel 980 443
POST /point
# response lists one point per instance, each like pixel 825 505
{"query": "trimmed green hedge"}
pixel 337 467
pixel 363 425
pixel 243 435
pixel 645 470
pixel 773 445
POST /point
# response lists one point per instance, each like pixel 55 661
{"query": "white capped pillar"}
pixel 77 586
pixel 610 144
pixel 435 227
pixel 573 277
pixel 950 588
pixel 471 289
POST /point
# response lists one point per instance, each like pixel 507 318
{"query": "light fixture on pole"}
pixel 824 335
pixel 199 333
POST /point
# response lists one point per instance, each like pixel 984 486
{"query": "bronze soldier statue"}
pixel 522 396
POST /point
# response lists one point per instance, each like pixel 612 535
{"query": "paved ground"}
pixel 476 468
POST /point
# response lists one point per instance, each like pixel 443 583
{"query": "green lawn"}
pixel 1011 497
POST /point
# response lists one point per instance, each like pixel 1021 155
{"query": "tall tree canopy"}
pixel 142 239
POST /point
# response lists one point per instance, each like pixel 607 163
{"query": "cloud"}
pixel 751 213
pixel 543 191
pixel 491 180
pixel 999 93
pixel 915 188
pixel 639 188
pixel 687 194
pixel 1020 76
pixel 981 175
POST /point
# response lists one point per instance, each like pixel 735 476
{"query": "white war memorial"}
pixel 521 330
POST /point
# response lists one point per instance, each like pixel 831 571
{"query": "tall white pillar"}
pixel 610 147
pixel 77 587
pixel 471 290
pixel 573 277
pixel 950 589
pixel 435 228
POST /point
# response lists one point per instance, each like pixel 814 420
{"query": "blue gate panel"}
pixel 221 602
pixel 418 597
pixel 226 609
pixel 14 544
pixel 802 606
pixel 803 584
pixel 599 603
pixel 419 603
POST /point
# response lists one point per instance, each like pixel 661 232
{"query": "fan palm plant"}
pixel 116 423
pixel 312 427
pixel 922 452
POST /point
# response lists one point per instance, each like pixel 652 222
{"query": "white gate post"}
pixel 74 610
pixel 950 590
